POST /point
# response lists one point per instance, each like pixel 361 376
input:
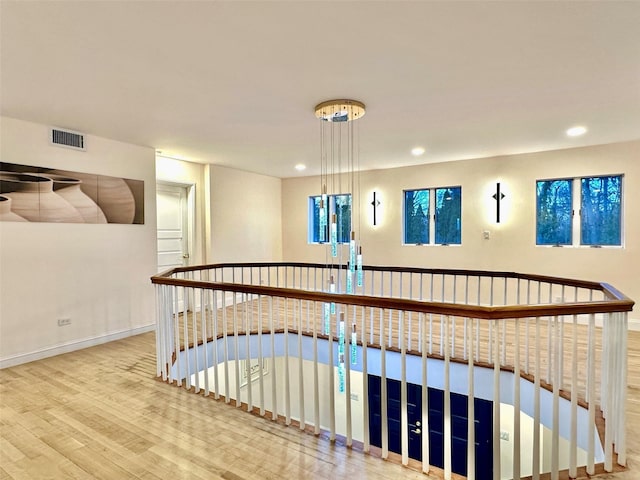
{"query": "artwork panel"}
pixel 41 194
pixel 137 188
pixel 79 189
pixel 116 199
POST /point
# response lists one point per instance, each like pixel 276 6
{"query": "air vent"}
pixel 67 138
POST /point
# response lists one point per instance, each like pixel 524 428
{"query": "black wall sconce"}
pixel 375 204
pixel 498 196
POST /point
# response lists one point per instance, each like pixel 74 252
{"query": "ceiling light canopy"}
pixel 340 110
pixel 576 131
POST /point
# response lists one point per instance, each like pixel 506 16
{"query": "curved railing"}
pixel 219 327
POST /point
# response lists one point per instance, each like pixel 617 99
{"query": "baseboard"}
pixel 72 346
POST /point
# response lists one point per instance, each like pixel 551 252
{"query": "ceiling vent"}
pixel 67 138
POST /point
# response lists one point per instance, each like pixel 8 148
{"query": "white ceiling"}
pixel 235 83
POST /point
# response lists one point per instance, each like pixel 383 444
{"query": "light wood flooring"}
pixel 100 413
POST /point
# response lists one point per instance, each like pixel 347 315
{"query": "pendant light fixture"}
pixel 339 178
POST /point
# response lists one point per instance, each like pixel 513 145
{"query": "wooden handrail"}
pixel 618 302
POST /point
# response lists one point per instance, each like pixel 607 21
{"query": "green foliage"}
pixel 416 216
pixel 448 215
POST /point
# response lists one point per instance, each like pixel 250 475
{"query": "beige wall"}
pixel 243 215
pixel 512 243
pixel 95 275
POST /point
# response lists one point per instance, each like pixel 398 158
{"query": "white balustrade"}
pixel 237 330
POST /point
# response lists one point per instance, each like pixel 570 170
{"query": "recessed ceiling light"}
pixel 576 131
pixel 417 151
pixel 300 167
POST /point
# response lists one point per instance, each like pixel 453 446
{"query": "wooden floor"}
pixel 100 413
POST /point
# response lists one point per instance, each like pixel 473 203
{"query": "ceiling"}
pixel 235 83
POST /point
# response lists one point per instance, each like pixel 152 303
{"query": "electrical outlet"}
pixel 504 435
pixel 354 397
pixel 486 234
pixel 64 321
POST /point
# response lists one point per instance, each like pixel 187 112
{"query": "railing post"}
pixel 365 384
pixel 300 369
pixel 214 309
pixel 260 355
pixel 471 419
pixel 516 400
pixel 555 435
pixel 496 405
pixel 573 448
pixel 621 438
pixel 274 396
pixel 383 389
pixel 404 419
pixel 447 401
pixel 535 460
pixel 591 397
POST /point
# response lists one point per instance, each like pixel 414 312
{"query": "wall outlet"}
pixel 486 234
pixel 504 435
pixel 354 397
pixel 64 321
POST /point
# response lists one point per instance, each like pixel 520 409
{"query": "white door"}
pixel 173 228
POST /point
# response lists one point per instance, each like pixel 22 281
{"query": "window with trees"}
pixel 599 207
pixel 433 216
pixel 340 205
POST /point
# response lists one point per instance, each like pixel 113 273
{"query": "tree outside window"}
pixel 600 212
pixel 448 214
pixel 416 216
pixel 554 207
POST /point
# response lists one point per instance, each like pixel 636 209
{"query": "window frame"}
pixel 432 216
pixel 576 222
pixel 311 227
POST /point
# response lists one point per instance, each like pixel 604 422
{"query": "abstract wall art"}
pixel 40 194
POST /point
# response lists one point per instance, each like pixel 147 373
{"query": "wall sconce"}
pixel 498 196
pixel 375 204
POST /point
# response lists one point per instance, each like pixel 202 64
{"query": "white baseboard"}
pixel 72 346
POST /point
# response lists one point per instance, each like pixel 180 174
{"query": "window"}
pixel 600 212
pixel 416 216
pixel 598 203
pixel 340 205
pixel 554 210
pixel 433 216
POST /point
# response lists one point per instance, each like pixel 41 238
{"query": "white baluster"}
pixel 383 389
pixel 536 407
pixel 591 375
pixel 205 339
pixel 471 427
pixel 404 419
pixel 214 310
pixel 573 443
pixel 516 399
pixel 447 401
pixel 236 350
pixel 301 368
pixel 425 405
pixel 260 355
pixel 496 405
